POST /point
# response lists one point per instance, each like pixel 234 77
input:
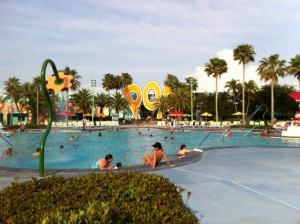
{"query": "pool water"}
pixel 125 145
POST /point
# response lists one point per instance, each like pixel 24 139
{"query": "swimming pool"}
pixel 125 145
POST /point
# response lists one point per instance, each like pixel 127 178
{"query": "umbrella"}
pixel 295 95
pixel 206 114
pixel 238 113
pixel 177 113
pixel 87 115
pixel 65 113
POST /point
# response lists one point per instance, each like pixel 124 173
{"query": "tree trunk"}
pixel 272 101
pixel 217 116
pixel 243 107
pixel 235 103
pixel 248 104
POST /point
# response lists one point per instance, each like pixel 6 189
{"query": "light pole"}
pixel 93 83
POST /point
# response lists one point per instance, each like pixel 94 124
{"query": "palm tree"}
pixel 294 68
pixel 180 99
pixel 244 54
pixel 108 82
pixel 29 98
pixel 269 69
pixel 125 80
pixel 251 88
pixel 82 99
pixel 192 81
pixel 12 88
pixel 119 102
pixel 75 85
pixel 233 86
pixel 216 67
pixel 172 81
pixel 162 104
pixel 38 83
pixel 101 101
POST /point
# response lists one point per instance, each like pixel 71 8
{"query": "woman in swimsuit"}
pixel 155 158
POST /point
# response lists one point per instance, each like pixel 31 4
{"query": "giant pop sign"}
pixel 135 96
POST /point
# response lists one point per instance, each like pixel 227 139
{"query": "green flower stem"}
pixel 50 109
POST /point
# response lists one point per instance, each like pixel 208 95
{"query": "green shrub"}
pixel 127 197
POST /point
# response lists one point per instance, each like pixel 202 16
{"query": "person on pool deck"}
pixel 155 159
pixel 106 163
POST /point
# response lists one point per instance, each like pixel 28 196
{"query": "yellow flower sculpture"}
pixel 57 85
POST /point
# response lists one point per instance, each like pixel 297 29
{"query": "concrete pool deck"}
pixel 228 185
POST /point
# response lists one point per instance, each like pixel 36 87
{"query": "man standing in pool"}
pixel 106 163
pixel 155 159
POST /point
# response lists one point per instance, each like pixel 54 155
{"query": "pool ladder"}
pixel 6 140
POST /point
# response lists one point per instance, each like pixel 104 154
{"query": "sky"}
pixel 147 39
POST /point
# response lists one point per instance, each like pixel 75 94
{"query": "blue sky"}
pixel 147 39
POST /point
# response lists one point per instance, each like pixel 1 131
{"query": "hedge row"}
pixel 127 197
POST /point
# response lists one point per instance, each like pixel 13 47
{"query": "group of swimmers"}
pixel 106 163
pixel 61 147
pixel 37 151
pixel 158 153
pixel 153 160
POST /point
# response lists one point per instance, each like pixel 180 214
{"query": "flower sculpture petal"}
pixel 64 82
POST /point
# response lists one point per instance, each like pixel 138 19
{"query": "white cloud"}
pixel 234 71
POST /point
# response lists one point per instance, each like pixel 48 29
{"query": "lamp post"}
pixel 93 83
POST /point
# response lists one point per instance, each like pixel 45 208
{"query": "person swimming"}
pixel 36 153
pixel 183 150
pixel 9 151
pixel 228 133
pixel 106 163
pixel 74 137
